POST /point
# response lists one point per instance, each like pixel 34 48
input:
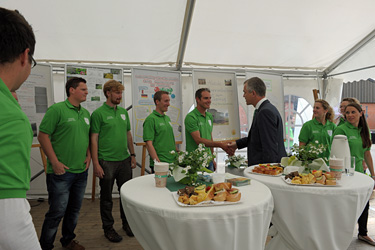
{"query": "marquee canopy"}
pixel 268 34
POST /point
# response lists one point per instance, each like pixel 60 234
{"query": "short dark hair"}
pixel 16 36
pixel 73 83
pixel 198 93
pixel 256 84
pixel 158 94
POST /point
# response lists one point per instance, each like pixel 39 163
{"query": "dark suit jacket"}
pixel 265 142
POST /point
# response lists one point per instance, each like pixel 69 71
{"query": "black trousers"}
pixel 120 171
pixel 362 221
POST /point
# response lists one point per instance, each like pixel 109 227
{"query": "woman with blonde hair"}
pixel 320 128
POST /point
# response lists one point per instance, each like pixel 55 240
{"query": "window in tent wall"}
pixel 297 112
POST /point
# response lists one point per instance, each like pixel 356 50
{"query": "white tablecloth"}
pixel 159 223
pixel 308 217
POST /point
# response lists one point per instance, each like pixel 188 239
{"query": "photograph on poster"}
pixel 76 71
pixel 202 81
pixel 108 75
pixel 98 86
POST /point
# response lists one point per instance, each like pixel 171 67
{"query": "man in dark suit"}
pixel 265 142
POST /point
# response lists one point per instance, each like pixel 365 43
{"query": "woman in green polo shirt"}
pixel 356 130
pixel 320 128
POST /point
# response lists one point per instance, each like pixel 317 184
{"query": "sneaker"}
pixel 128 230
pixel 73 245
pixel 366 239
pixel 112 235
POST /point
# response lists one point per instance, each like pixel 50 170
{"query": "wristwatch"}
pixel 133 155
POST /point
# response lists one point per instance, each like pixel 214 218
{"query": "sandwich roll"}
pixel 233 195
pixel 220 196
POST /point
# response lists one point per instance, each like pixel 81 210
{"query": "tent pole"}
pixel 350 52
pixel 185 32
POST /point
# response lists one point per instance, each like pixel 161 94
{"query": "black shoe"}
pixel 128 230
pixel 112 235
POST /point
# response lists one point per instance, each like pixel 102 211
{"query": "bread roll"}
pixel 331 181
pixel 221 196
pixel 321 180
pixel 233 195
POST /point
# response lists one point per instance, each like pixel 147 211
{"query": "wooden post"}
pixel 42 155
pixel 143 144
pixel 315 93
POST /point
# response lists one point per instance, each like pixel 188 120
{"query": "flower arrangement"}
pixel 308 153
pixel 187 164
pixel 235 161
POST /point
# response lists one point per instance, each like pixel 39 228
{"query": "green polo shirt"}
pixel 158 129
pixel 355 143
pixel 341 122
pixel 195 121
pixel 15 144
pixel 112 125
pixel 315 131
pixel 68 128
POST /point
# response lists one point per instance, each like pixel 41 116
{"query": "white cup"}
pixel 218 177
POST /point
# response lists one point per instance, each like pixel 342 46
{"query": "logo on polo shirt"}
pixel 315 131
pixel 71 119
pixel 352 137
pixel 329 132
pixel 162 124
pixel 87 121
pixel 109 117
pixel 123 116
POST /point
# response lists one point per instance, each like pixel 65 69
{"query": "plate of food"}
pixel 317 178
pixel 269 169
pixel 202 196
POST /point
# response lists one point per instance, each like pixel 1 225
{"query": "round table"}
pixel 309 217
pixel 159 223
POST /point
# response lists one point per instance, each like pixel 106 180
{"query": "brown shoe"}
pixel 73 245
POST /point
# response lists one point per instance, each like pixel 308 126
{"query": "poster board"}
pixel 95 76
pixel 145 82
pixel 274 93
pixel 36 94
pixel 224 102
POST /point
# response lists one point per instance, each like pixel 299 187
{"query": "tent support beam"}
pixel 185 32
pixel 349 53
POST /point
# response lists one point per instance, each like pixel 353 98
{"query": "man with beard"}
pixel 158 131
pixel 111 141
pixel 64 136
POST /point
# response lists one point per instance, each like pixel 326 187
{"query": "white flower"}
pixel 188 167
pixel 316 142
pixel 172 152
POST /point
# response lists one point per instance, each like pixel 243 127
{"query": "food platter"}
pixel 250 170
pixel 203 203
pixel 289 181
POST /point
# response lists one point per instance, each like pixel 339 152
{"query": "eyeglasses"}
pixel 33 62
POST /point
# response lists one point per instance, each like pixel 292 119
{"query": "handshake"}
pixel 229 147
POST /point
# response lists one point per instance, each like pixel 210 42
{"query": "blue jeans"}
pixel 121 172
pixel 211 166
pixel 65 195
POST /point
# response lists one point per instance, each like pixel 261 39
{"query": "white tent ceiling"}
pixel 289 34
